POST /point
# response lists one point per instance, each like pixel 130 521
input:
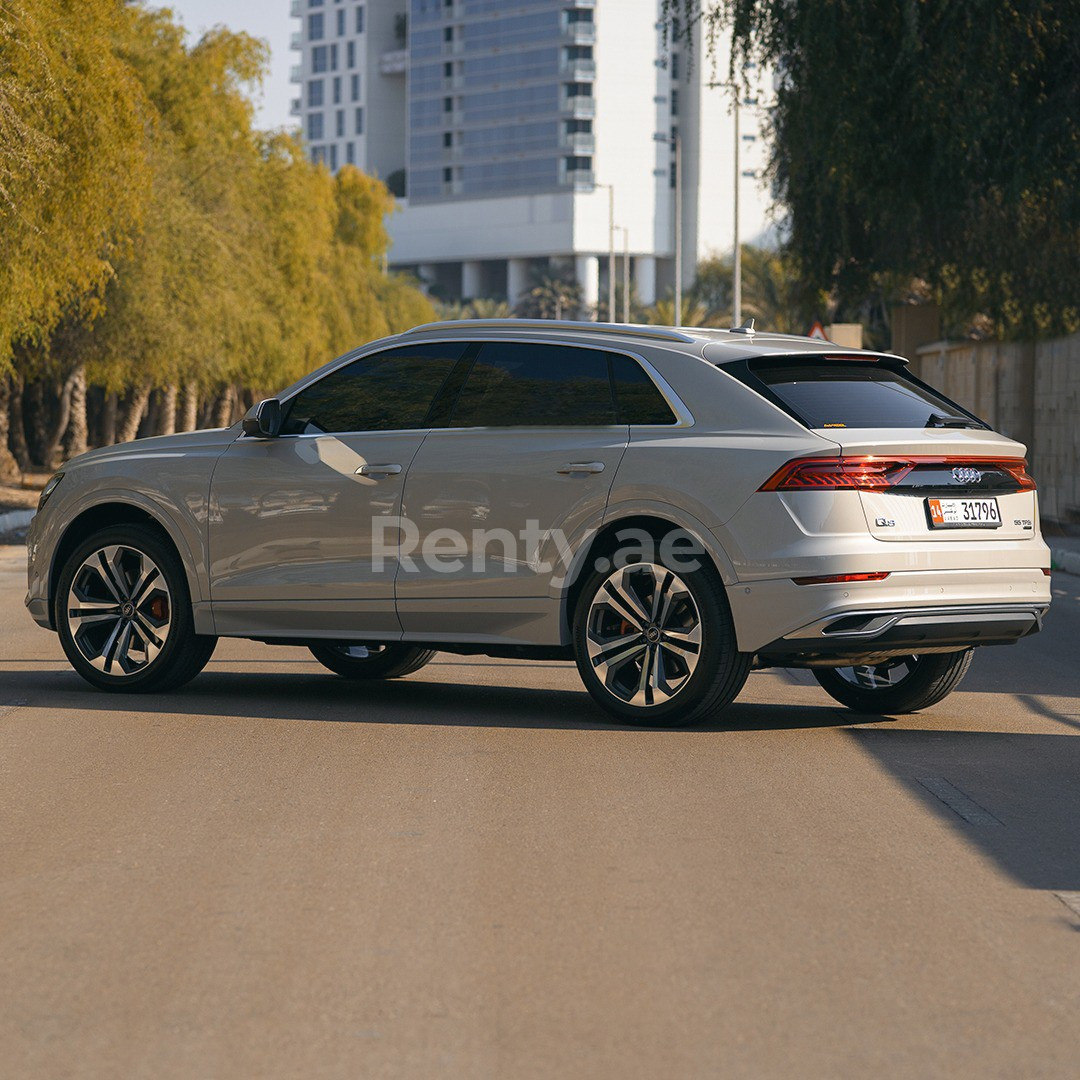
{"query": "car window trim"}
pixel 683 416
pixel 352 358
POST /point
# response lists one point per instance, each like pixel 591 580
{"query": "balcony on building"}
pixel 394 62
pixel 580 179
pixel 579 105
pixel 295 105
pixel 296 41
pixel 579 69
pixel 294 9
pixel 579 142
pixel 296 74
pixel 579 33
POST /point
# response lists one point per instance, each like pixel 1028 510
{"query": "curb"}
pixel 15 519
pixel 1069 561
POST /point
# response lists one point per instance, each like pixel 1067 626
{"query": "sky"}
pixel 267 19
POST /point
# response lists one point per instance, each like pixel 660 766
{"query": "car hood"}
pixel 170 445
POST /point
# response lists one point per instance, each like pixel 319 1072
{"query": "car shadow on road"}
pixel 1013 796
pixel 326 698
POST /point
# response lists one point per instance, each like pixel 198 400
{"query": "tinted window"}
pixel 515 384
pixel 387 391
pixel 853 394
pixel 636 395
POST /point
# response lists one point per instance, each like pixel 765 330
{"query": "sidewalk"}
pixel 1065 553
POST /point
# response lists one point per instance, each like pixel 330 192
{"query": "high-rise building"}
pixel 513 131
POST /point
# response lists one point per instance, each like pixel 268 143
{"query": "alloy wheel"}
pixel 881 676
pixel 119 610
pixel 644 634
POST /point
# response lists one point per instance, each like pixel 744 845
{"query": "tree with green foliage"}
pixel 916 140
pixel 210 261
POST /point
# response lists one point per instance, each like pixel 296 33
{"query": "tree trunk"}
pixel 223 408
pixel 133 415
pixel 36 411
pixel 17 434
pixel 190 408
pixel 167 416
pixel 108 419
pixel 51 454
pixel 10 473
pixel 77 433
pixel 151 417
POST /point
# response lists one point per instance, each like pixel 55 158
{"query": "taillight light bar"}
pixel 871 473
pixel 840 579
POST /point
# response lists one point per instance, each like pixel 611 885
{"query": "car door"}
pixel 510 480
pixel 292 518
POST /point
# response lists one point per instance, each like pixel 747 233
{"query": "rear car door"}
pixel 509 479
pixel 291 524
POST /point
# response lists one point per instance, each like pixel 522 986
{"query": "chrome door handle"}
pixel 582 466
pixel 378 470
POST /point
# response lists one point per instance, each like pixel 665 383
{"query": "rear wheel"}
pixel 371 661
pixel 658 647
pixel 123 613
pixel 902 684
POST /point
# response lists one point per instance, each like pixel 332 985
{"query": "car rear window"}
pixel 835 393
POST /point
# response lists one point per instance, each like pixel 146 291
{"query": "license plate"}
pixel 964 513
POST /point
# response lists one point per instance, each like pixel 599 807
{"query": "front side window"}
pixel 518 384
pixel 387 391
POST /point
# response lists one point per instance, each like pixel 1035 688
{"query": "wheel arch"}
pixel 105 515
pixel 657 523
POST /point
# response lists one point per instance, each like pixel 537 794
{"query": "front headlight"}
pixel 49 488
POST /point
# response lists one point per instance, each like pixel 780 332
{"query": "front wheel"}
pixel 123 613
pixel 902 684
pixel 371 661
pixel 658 647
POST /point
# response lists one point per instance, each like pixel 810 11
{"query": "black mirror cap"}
pixel 265 420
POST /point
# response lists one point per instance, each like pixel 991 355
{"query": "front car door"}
pixel 290 533
pixel 503 486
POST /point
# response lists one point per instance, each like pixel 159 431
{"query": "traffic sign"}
pixel 818 331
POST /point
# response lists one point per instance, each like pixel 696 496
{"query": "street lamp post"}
pixel 736 276
pixel 678 226
pixel 625 273
pixel 674 140
pixel 611 249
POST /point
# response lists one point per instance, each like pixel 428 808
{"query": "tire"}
pixel 626 617
pixel 123 613
pixel 920 681
pixel 380 661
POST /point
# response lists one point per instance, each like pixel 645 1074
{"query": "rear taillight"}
pixel 868 473
pixel 1017 469
pixel 860 473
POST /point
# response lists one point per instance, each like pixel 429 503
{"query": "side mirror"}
pixel 264 422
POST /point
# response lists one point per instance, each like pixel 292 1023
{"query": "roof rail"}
pixel 661 333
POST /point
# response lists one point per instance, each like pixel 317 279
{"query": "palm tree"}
pixel 553 297
pixel 483 308
pixel 662 313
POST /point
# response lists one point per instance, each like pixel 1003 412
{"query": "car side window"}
pixel 387 391
pixel 636 396
pixel 525 384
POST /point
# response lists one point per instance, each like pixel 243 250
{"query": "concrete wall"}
pixel 1030 392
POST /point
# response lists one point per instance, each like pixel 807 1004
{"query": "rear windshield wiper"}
pixel 941 420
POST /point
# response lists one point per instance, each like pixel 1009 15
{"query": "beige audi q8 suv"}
pixel 670 507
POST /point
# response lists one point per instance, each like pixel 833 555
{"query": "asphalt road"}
pixel 468 873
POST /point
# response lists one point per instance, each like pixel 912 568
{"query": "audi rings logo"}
pixel 966 475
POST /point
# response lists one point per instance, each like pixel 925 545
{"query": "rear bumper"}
pixel 911 630
pixel 925 608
